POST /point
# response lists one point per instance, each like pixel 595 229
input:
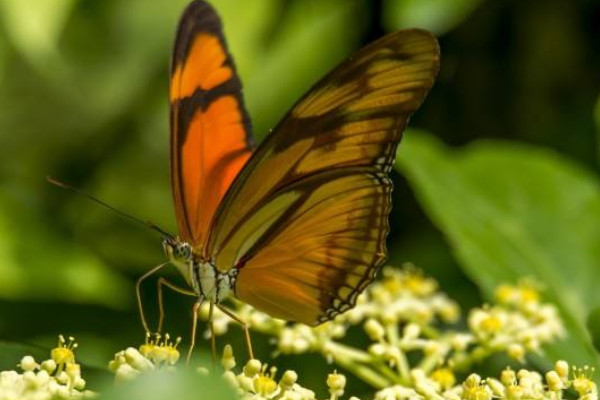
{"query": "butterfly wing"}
pixel 305 222
pixel 210 129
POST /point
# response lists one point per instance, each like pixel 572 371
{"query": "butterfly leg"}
pixel 195 311
pixel 139 295
pixel 234 317
pixel 159 288
pixel 213 339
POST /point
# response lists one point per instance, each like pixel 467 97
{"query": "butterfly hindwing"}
pixel 322 249
pixel 306 219
pixel 210 129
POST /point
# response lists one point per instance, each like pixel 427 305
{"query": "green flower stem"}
pixel 375 378
pixel 429 331
pixel 475 356
pixel 403 366
pixel 428 363
pixel 343 351
pixel 391 331
pixel 393 377
pixel 366 367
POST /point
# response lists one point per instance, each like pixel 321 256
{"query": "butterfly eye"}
pixel 183 251
pixel 175 250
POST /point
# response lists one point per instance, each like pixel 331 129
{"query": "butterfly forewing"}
pixel 306 219
pixel 210 129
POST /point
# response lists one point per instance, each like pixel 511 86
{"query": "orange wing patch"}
pixel 204 68
pixel 210 129
pixel 215 163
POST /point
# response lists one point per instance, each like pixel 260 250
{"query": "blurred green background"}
pixel 499 180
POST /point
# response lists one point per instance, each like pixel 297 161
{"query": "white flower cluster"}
pixel 512 385
pixel 518 323
pixel 415 348
pixel 403 315
pixel 157 352
pixel 254 382
pixel 58 378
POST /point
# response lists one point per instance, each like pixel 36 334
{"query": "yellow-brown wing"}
pixel 305 222
pixel 210 129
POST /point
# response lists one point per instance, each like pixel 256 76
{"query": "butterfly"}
pixel 296 226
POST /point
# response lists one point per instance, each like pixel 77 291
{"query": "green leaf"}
pixel 439 16
pixel 511 211
pixel 12 353
pixel 34 26
pixel 594 327
pixel 36 263
pixel 180 385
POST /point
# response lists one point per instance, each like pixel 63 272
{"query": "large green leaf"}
pixel 439 16
pixel 12 353
pixel 510 211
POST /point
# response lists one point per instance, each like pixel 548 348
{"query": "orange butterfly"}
pixel 295 227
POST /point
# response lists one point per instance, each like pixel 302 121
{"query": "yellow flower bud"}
pixel 288 379
pixel 554 382
pixel 49 366
pixel 516 352
pixel 491 324
pixel 374 329
pixel 562 369
pixel 336 383
pixel 497 387
pixel 79 384
pixel 508 377
pixel 228 360
pixel 73 370
pixel 411 331
pixel 444 377
pixel 28 363
pixel 450 312
pixel 504 294
pixel 472 380
pixel 252 368
pixel 514 392
pixel 529 294
pixel 265 385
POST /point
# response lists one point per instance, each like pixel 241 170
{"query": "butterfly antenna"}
pixel 102 203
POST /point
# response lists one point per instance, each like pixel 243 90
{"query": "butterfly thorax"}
pixel 203 276
pixel 211 283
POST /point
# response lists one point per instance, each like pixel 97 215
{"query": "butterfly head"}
pixel 177 251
